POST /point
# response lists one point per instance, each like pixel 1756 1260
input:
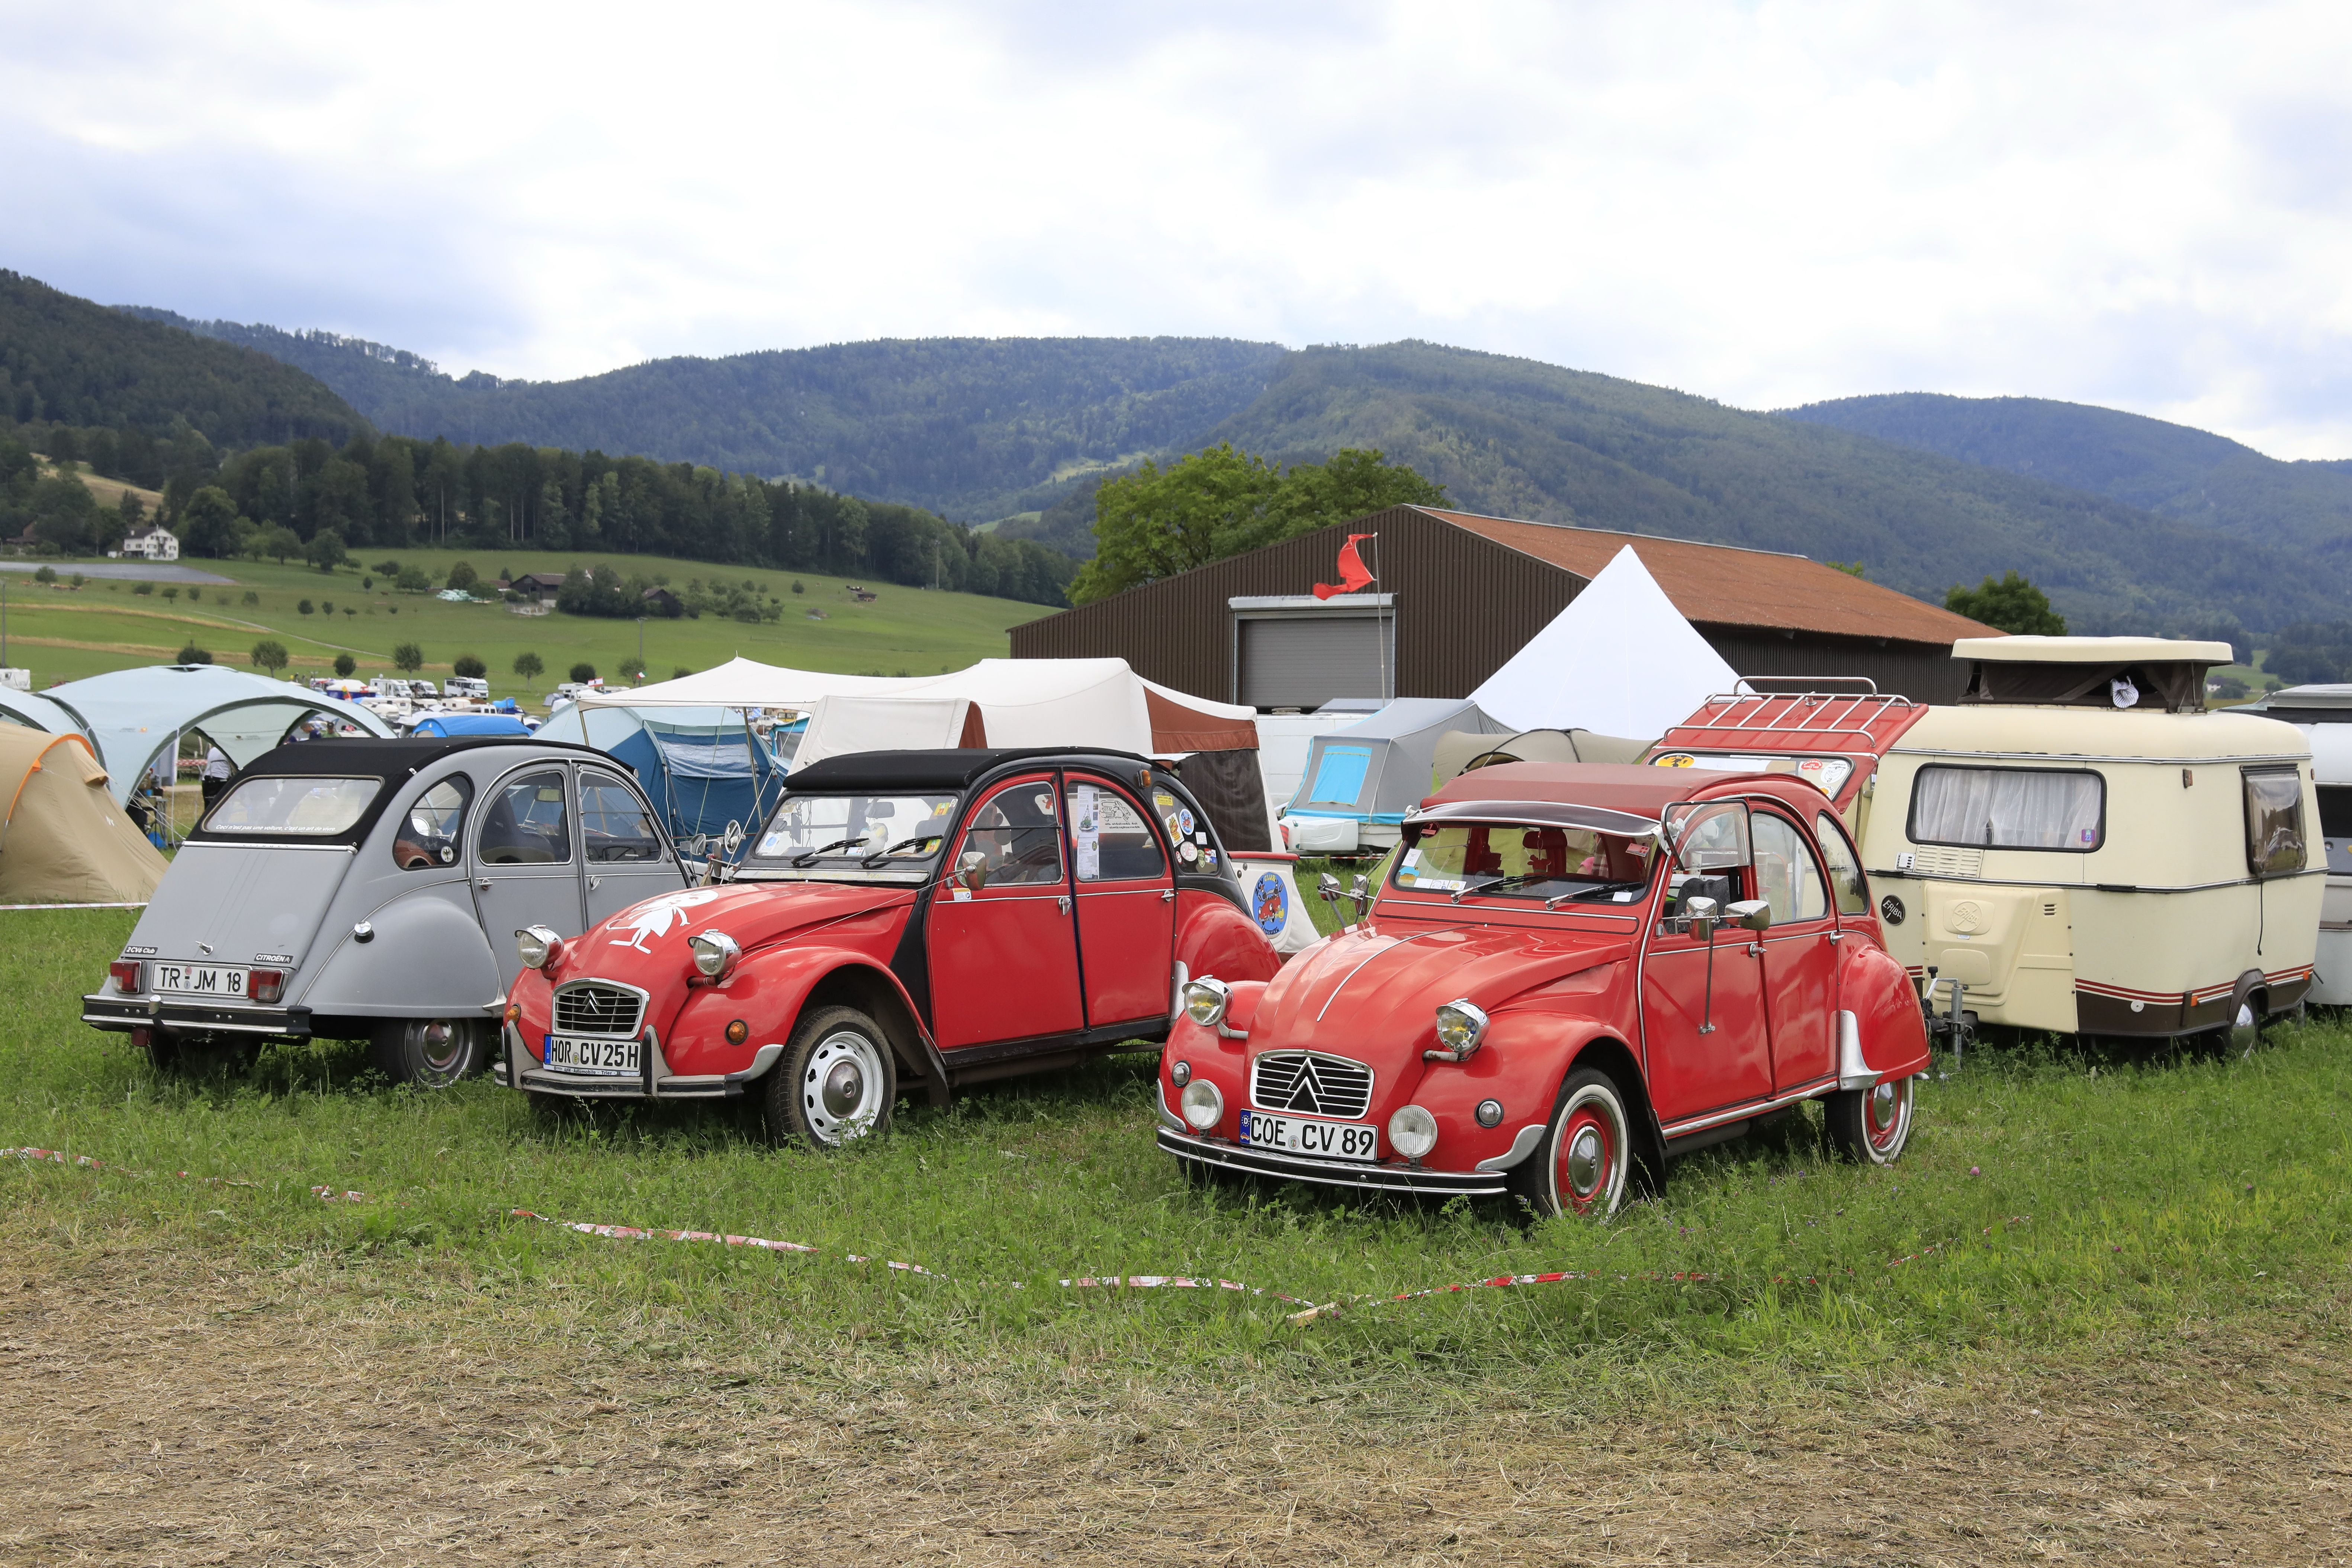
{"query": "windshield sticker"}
pixel 656 916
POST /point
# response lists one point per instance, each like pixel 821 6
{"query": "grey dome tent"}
pixel 1361 781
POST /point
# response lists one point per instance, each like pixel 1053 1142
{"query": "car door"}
pixel 1801 969
pixel 1004 957
pixel 1126 904
pixel 627 856
pixel 526 862
pixel 1704 1024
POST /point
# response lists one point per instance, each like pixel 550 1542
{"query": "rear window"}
pixel 303 807
pixel 2010 808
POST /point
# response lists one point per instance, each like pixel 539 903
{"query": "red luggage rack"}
pixel 1799 714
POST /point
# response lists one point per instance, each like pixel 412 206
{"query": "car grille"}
pixel 590 1007
pixel 1311 1083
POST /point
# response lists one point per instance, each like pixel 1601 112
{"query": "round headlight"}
pixel 715 954
pixel 1205 999
pixel 1203 1106
pixel 538 947
pixel 1180 1074
pixel 1412 1131
pixel 1460 1027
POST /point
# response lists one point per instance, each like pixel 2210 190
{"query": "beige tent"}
pixel 63 840
pixel 1459 752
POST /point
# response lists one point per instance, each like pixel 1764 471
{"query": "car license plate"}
pixel 1298 1135
pixel 201 980
pixel 592 1054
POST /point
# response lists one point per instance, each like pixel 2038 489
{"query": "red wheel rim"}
pixel 1885 1113
pixel 1586 1161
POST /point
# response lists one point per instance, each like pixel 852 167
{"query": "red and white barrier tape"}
pixel 54 1156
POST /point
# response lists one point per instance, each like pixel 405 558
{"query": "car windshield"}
pixel 878 832
pixel 1521 860
pixel 294 807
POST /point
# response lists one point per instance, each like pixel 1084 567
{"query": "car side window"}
pixel 1847 884
pixel 526 823
pixel 428 838
pixel 1110 838
pixel 614 825
pixel 1017 835
pixel 1787 875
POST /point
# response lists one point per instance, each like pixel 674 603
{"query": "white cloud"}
pixel 2141 206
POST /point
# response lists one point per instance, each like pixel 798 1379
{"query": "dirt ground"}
pixel 164 1410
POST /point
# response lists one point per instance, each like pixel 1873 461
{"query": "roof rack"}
pixel 1747 711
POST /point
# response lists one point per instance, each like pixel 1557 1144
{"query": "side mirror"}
pixel 1326 888
pixel 1751 914
pixel 1702 914
pixel 971 871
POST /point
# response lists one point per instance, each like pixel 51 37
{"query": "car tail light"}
pixel 264 984
pixel 129 975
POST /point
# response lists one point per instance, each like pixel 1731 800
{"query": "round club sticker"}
pixel 1270 902
pixel 1183 821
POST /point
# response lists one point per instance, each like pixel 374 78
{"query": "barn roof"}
pixel 1724 584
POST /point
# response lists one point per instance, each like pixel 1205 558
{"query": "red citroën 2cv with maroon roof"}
pixel 1566 971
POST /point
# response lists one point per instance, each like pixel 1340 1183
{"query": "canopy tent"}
pixel 135 716
pixel 64 839
pixel 714 779
pixel 471 724
pixel 1361 781
pixel 1621 659
pixel 1458 751
pixel 39 713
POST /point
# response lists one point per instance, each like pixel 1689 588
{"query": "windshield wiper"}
pixel 884 854
pixel 804 862
pixel 1489 886
pixel 1552 903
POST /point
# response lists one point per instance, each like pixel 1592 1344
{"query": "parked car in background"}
pixel 371 889
pixel 1568 970
pixel 940 918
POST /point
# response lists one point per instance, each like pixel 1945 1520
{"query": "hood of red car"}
pixel 1377 991
pixel 645 944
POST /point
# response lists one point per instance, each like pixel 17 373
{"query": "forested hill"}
pixel 2170 468
pixel 64 359
pixel 1518 438
pixel 972 427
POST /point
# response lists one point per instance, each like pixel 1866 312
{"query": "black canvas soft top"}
pixel 936 770
pixel 393 761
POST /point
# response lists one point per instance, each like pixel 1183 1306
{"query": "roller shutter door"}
pixel 1305 661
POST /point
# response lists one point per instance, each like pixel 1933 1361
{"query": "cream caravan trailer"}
pixel 2077 844
pixel 2324 714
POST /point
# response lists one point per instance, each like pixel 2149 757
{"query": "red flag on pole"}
pixel 1352 575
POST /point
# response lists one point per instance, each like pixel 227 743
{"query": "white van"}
pixel 2324 714
pixel 2077 842
pixel 471 687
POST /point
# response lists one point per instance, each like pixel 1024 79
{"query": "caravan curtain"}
pixel 2009 808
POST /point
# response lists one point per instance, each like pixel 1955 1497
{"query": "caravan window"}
pixel 2010 808
pixel 2274 822
pixel 1340 779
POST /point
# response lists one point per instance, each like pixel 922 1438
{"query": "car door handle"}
pixel 1167 895
pixel 1754 949
pixel 484 884
pixel 594 883
pixel 1064 900
pixel 1836 936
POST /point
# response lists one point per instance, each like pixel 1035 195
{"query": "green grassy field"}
pixel 63 633
pixel 2049 1205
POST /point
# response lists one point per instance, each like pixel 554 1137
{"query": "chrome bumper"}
pixel 518 1068
pixel 121 1014
pixel 1332 1172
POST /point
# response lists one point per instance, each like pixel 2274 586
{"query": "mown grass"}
pixel 2050 1206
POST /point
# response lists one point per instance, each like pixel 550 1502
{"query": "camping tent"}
pixel 1458 750
pixel 713 777
pixel 1620 660
pixel 471 724
pixel 1361 781
pixel 63 839
pixel 135 716
pixel 747 683
pixel 1282 742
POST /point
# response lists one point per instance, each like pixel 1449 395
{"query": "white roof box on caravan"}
pixel 2156 673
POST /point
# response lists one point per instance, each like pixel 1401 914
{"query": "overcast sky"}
pixel 2139 205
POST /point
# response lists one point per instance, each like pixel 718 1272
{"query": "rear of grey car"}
pixel 370 890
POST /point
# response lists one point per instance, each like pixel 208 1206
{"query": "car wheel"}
pixel 1582 1165
pixel 432 1053
pixel 836 1083
pixel 1871 1125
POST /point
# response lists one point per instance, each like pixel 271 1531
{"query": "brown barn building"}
pixel 1459 594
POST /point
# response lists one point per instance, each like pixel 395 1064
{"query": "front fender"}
pixel 1893 1033
pixel 1520 1064
pixel 768 991
pixel 1213 937
pixel 1213 1056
